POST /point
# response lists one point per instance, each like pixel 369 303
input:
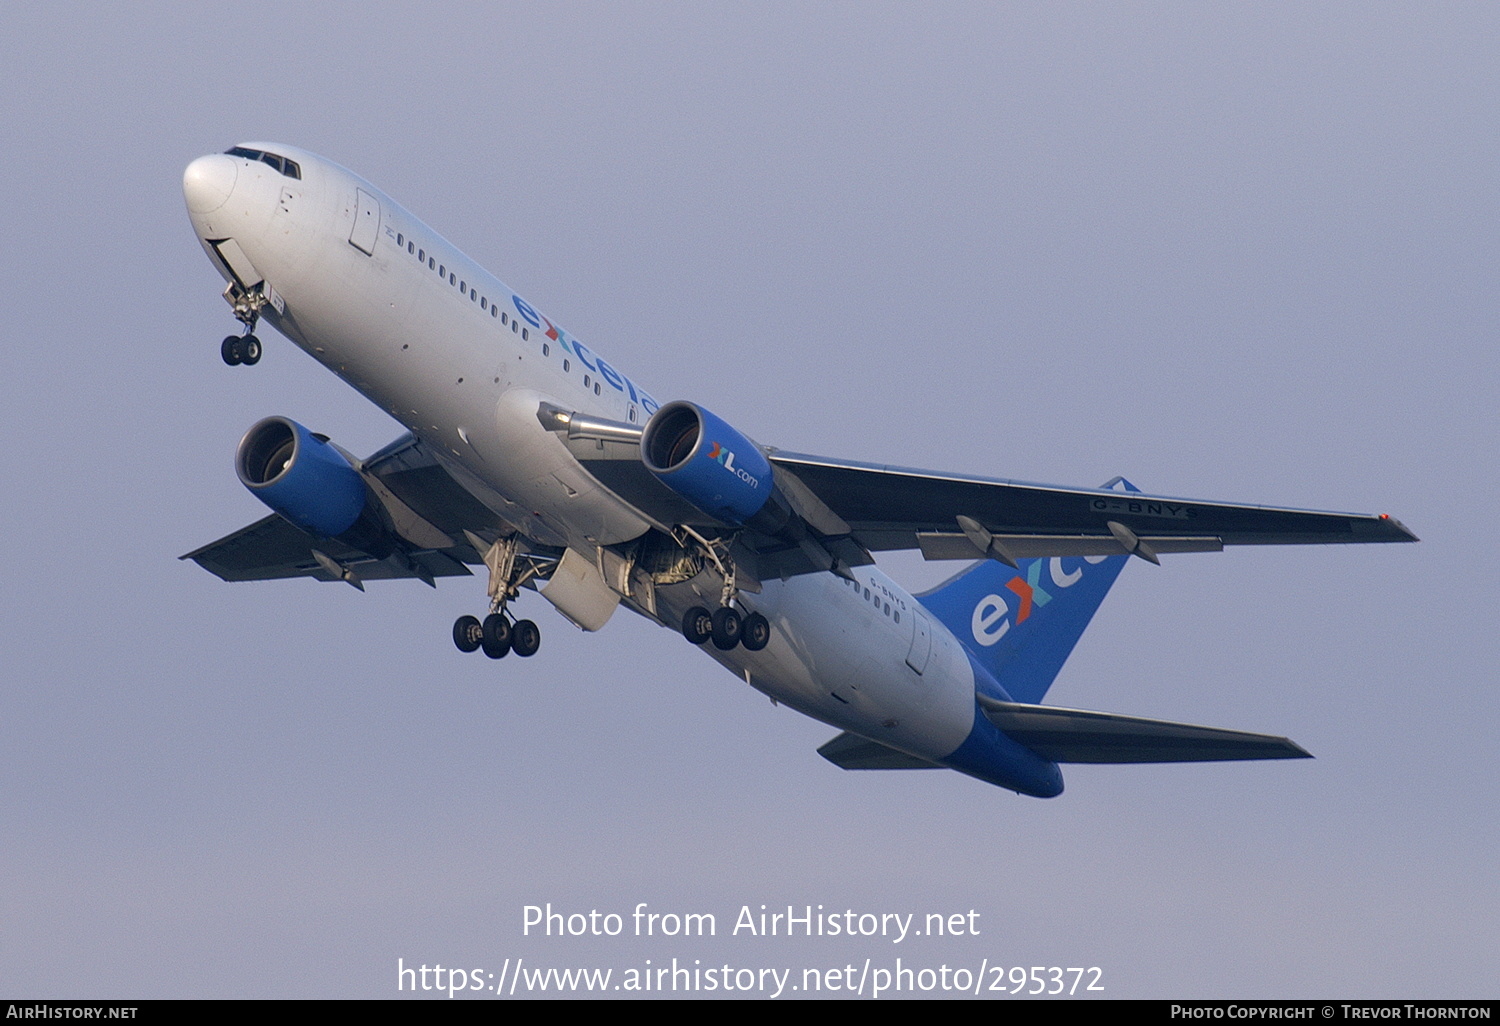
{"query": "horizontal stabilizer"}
pixel 1080 735
pixel 852 752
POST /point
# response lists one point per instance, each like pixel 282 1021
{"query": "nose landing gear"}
pixel 247 305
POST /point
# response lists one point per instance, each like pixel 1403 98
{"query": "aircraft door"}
pixel 921 642
pixel 366 222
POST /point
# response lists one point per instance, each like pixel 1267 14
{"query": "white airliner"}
pixel 528 453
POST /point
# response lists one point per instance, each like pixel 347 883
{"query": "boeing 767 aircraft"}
pixel 532 455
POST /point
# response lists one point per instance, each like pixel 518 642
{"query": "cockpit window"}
pixel 281 164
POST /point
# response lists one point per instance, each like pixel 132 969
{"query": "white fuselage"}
pixel 463 362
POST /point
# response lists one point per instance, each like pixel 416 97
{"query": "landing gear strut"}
pixel 725 627
pixel 497 634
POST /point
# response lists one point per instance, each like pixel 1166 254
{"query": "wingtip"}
pixel 1406 533
pixel 1381 527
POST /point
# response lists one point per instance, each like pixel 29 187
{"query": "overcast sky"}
pixel 1244 252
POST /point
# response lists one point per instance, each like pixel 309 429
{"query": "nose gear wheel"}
pixel 237 349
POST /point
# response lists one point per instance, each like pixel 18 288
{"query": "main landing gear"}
pixel 725 627
pixel 497 634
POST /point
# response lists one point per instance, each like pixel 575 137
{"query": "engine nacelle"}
pixel 710 464
pixel 302 477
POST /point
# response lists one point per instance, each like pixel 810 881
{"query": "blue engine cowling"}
pixel 708 463
pixel 302 477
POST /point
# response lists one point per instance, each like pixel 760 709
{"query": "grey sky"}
pixel 1241 252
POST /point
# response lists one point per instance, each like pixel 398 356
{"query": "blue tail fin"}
pixel 1021 625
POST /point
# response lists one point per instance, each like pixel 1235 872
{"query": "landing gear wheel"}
pixel 727 628
pixel 755 633
pixel 467 634
pixel 495 638
pixel 229 349
pixel 697 625
pixel 525 638
pixel 250 350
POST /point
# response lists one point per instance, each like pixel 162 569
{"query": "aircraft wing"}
pixel 427 511
pixel 273 548
pixel 950 516
pixel 852 509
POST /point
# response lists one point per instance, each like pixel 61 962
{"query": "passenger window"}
pixel 596 388
pixel 566 366
pixel 525 334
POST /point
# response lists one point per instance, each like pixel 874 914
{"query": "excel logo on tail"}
pixel 993 616
pixel 725 458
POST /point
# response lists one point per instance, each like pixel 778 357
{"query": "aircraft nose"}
pixel 208 181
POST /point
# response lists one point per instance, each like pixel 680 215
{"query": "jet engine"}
pixel 302 477
pixel 714 467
